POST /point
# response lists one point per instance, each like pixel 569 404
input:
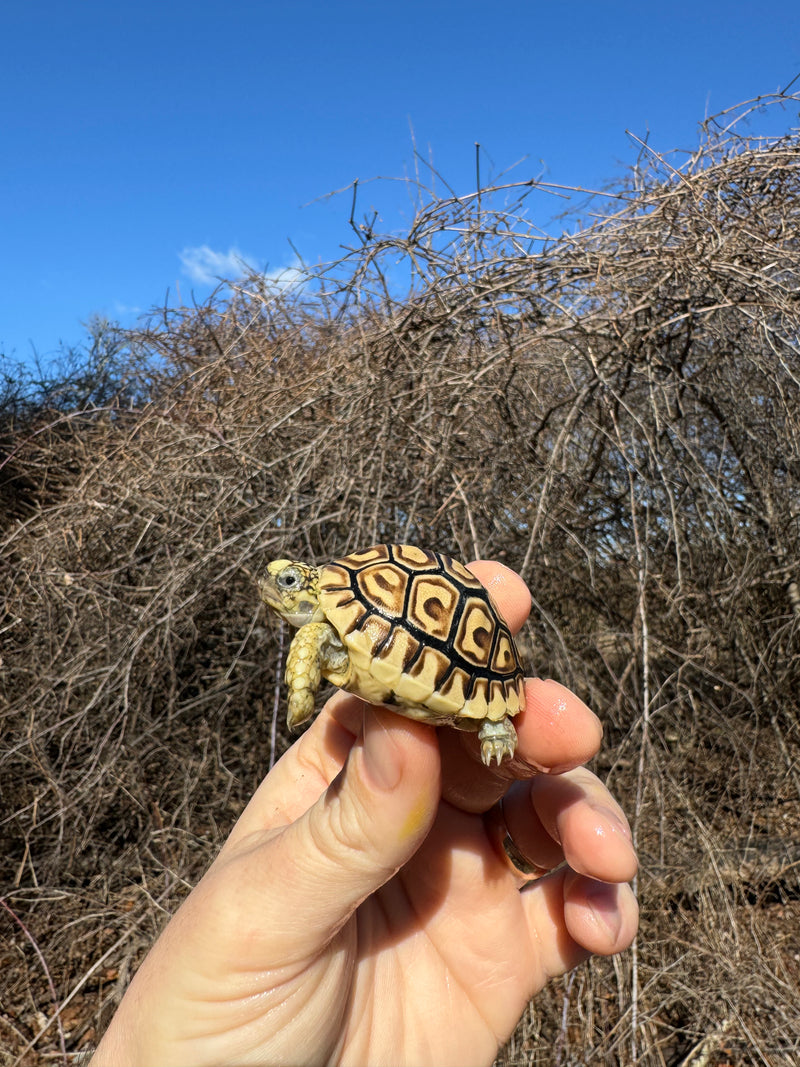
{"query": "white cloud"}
pixel 284 277
pixel 204 266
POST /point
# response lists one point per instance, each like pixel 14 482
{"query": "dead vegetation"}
pixel 615 413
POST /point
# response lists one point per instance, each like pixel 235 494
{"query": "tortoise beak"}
pixel 295 608
pixel 268 592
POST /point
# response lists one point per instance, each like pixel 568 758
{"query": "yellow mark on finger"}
pixel 414 821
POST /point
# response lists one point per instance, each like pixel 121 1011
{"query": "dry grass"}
pixel 615 413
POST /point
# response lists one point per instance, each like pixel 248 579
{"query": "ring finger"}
pixel 519 836
pixel 577 812
pixel 542 822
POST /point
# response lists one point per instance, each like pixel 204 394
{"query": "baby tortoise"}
pixel 400 626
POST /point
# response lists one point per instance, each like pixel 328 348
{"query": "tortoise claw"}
pixel 498 740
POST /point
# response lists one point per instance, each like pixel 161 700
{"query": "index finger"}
pixel 508 591
pixel 556 730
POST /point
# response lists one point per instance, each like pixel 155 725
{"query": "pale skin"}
pixel 362 910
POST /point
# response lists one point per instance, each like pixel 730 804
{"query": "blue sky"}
pixel 147 145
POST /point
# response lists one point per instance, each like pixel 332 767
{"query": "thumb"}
pixel 365 826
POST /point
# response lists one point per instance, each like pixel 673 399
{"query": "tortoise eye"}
pixel 288 579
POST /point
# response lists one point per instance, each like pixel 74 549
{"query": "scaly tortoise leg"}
pixel 315 651
pixel 498 740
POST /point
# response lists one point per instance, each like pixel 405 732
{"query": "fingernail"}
pixel 602 900
pixel 382 757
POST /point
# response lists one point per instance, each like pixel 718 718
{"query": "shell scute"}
pixel 428 669
pixel 376 554
pixel 384 586
pixel 415 558
pixel 503 658
pixel 431 605
pixel 459 572
pixel 379 633
pixel 451 695
pixel 349 611
pixel 399 650
pixel 475 633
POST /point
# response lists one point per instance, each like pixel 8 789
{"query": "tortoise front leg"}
pixel 315 651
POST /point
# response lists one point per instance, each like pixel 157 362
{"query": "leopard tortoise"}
pixel 405 627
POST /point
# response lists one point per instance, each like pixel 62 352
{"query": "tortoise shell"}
pixel 422 634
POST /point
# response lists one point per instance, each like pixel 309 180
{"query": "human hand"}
pixel 363 909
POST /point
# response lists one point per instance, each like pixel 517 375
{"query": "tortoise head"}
pixel 291 589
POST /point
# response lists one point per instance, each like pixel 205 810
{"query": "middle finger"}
pixel 575 816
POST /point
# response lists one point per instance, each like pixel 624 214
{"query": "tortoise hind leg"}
pixel 498 740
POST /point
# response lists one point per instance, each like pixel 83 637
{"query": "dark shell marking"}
pixel 425 631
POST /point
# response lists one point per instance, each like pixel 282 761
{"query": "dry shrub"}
pixel 615 413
